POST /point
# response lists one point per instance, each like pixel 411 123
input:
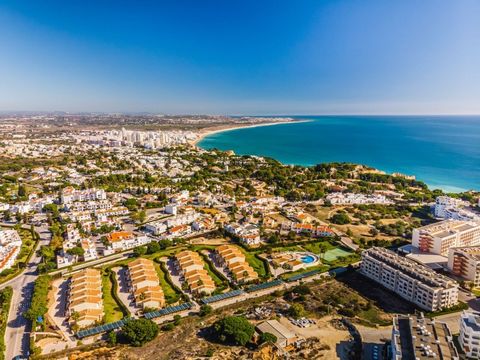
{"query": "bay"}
pixel 442 151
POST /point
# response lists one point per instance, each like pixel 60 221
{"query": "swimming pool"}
pixel 308 259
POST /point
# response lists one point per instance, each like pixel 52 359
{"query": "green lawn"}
pixel 372 317
pixel 112 310
pixel 27 245
pixel 257 264
pixel 314 247
pixel 171 295
pixel 322 268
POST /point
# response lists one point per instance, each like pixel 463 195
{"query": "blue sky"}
pixel 241 57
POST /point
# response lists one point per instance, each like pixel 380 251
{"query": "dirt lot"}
pixel 384 299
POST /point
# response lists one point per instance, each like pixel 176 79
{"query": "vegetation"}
pixel 171 292
pixel 296 311
pixel 235 330
pixel 205 310
pixel 39 304
pixel 111 308
pixel 340 218
pixel 5 300
pixel 138 332
pixel 267 337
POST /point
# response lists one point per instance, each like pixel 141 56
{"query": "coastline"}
pixel 215 130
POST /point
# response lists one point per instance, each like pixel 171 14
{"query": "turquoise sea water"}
pixel 443 151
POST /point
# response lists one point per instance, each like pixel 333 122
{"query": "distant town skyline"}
pixel 250 58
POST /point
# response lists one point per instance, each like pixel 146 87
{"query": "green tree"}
pixel 140 251
pixel 296 311
pixel 22 191
pixel 234 329
pixel 340 218
pixel 153 247
pixel 268 337
pixel 138 332
pixel 77 250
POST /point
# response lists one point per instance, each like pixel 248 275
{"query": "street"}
pixel 17 335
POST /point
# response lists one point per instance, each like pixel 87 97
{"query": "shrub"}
pixel 205 310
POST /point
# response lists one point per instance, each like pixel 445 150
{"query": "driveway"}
pixel 123 290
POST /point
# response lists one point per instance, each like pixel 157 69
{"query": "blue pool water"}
pixel 443 151
pixel 308 259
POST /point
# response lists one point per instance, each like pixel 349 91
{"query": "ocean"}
pixel 442 151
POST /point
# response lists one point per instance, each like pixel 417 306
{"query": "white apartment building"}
pixel 124 240
pixel 465 263
pixel 183 219
pixel 69 194
pixel 451 208
pixel 469 338
pixel 156 227
pixel 439 237
pixel 421 338
pixel 248 234
pixel 171 209
pixel 409 279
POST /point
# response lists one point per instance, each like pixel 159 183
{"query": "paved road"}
pixel 17 335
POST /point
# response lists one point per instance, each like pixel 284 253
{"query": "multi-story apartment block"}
pixel 469 338
pixel 465 263
pixel 409 279
pixel 437 238
pixel 421 338
pixel 69 194
pixel 145 285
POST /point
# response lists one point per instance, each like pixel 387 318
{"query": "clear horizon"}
pixel 327 58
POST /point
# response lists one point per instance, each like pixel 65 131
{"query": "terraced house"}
pixel 233 258
pixel 144 284
pixel 192 268
pixel 85 305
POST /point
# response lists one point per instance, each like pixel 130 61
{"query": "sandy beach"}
pixel 218 129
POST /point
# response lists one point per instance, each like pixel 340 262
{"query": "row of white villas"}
pixel 69 195
pixel 450 208
pixel 10 245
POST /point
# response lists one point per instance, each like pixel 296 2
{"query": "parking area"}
pixel 123 290
pixel 222 269
pixel 57 311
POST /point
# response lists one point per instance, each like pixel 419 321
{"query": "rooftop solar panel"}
pixel 304 275
pixel 263 286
